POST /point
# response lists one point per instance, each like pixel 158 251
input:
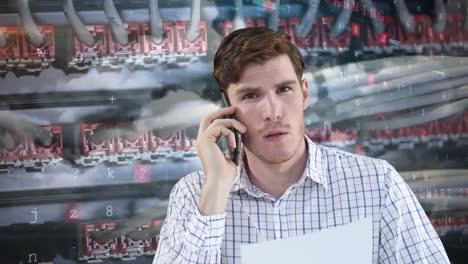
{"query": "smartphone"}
pixel 235 153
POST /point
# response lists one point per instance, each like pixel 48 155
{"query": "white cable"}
pixel 406 120
pixel 376 22
pixel 465 26
pixel 193 31
pixel 400 93
pixel 342 21
pixel 115 22
pixel 273 20
pixel 239 20
pixel 451 71
pixel 3 38
pixel 20 126
pixel 156 23
pixel 29 26
pixel 410 102
pixel 441 16
pixel 404 15
pixel 80 29
pixel 349 69
pixel 308 19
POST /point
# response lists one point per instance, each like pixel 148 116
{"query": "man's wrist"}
pixel 213 198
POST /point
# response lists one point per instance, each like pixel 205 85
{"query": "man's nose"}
pixel 271 108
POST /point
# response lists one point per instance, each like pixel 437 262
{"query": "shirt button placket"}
pixel 276 216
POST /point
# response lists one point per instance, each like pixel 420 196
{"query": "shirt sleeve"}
pixel 406 234
pixel 187 236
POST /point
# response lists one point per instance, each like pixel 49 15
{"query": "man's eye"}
pixel 249 96
pixel 285 89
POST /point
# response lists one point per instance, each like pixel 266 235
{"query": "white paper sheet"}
pixel 350 243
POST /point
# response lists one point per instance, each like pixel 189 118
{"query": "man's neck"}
pixel 275 179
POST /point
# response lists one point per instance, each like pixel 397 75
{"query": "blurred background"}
pixel 100 103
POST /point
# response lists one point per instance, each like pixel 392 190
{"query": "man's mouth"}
pixel 275 134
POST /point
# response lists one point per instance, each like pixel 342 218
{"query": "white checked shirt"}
pixel 336 188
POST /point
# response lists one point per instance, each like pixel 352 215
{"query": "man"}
pixel 285 185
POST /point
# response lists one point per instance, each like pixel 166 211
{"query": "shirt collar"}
pixel 314 170
pixel 316 164
pixel 242 180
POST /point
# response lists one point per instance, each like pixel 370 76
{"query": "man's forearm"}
pixel 199 243
pixel 213 198
pixel 181 255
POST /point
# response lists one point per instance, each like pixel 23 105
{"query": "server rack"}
pixel 87 153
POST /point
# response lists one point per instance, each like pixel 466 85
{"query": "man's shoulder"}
pixel 339 157
pixel 377 174
pixel 333 151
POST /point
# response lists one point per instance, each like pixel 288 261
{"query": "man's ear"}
pixel 305 93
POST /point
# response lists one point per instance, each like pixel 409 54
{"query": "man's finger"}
pixel 207 120
pixel 230 123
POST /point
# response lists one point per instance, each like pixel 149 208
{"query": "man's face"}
pixel 270 102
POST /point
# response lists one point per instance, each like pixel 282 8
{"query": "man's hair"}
pixel 252 45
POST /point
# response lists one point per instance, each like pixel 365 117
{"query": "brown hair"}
pixel 252 45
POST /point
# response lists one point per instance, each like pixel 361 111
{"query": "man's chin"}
pixel 274 158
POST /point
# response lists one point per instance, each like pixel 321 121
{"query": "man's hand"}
pixel 219 170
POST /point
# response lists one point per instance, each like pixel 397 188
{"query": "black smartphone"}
pixel 235 153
